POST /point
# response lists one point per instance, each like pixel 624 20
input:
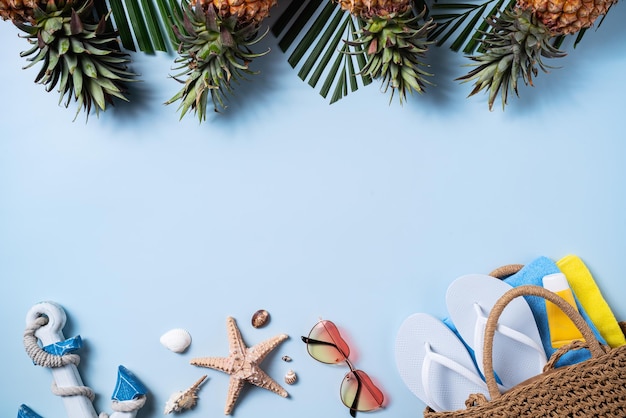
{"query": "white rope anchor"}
pixel 44 324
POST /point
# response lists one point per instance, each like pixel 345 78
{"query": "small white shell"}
pixel 176 340
pixel 290 377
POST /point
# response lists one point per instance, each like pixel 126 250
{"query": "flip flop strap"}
pixel 597 350
pixel 479 336
pixel 432 357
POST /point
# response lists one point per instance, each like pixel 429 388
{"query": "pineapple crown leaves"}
pixel 395 46
pixel 512 50
pixel 213 53
pixel 310 31
pixel 78 55
pixel 332 52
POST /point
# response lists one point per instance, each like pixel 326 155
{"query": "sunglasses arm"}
pixel 358 393
pixel 308 340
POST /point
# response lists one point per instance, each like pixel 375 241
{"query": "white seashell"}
pixel 171 405
pixel 176 340
pixel 290 377
pixel 183 400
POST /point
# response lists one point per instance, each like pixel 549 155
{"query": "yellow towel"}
pixel 589 296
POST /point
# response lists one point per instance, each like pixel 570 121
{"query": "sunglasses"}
pixel 358 392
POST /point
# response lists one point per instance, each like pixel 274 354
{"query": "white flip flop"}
pixel 518 353
pixel 435 365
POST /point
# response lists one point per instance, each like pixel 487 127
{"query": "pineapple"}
pixel 564 17
pixel 395 40
pixel 215 40
pixel 75 49
pixel 521 36
pixel 246 10
pixel 17 10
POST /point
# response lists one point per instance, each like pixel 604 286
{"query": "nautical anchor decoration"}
pixel 47 347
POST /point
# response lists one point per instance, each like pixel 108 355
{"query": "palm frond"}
pixel 145 25
pixel 463 25
pixel 314 33
pixel 318 33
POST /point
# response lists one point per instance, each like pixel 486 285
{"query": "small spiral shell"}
pixel 182 400
pixel 291 377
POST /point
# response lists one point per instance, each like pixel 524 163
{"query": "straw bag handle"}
pixel 505 271
pixel 530 290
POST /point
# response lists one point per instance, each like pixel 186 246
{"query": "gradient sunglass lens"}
pixel 325 344
pixel 359 393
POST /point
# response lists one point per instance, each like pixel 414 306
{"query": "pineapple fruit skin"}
pixel 565 17
pixel 367 9
pixel 18 10
pixel 247 11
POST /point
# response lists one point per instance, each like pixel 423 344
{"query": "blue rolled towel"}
pixel 532 273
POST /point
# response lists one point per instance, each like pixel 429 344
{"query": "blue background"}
pixel 361 212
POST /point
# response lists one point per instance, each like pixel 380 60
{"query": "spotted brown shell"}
pixel 260 318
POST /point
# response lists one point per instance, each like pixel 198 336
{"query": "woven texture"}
pixel 593 388
pixel 506 271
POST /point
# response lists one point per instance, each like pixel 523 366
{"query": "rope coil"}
pixel 39 356
pixel 42 358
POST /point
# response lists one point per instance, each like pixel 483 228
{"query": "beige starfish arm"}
pixel 242 364
pixel 235 340
pixel 258 352
pixel 261 379
pixel 224 364
pixel 234 389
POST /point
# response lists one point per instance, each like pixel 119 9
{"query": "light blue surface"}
pixel 360 212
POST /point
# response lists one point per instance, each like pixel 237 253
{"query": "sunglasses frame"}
pixel 355 372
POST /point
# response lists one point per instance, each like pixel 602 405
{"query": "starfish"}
pixel 242 364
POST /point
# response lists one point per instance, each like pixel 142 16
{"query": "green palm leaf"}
pixel 314 32
pixel 462 26
pixel 318 35
pixel 145 25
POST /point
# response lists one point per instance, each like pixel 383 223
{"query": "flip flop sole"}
pixel 434 364
pixel 518 352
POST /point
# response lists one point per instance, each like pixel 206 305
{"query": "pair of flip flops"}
pixel 442 365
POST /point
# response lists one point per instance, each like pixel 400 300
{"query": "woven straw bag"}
pixel 592 388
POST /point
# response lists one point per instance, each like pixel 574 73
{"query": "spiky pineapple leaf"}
pixel 463 26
